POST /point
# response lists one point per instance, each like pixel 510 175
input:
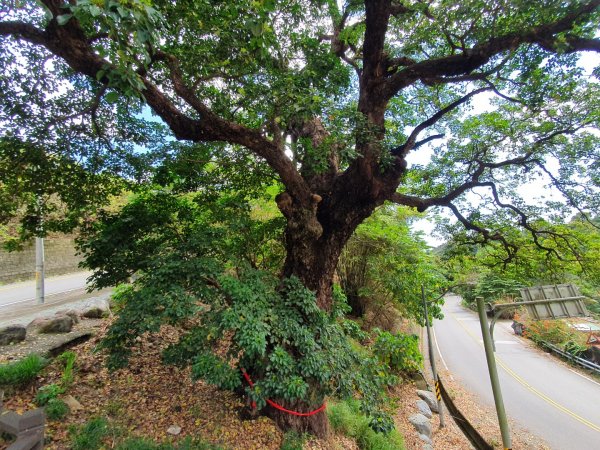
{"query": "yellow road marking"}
pixel 530 387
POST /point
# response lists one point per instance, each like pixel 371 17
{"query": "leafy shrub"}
pixel 552 331
pixel 345 417
pixel 274 329
pixel 47 393
pixel 56 409
pixel 90 435
pixel 21 372
pixel 575 348
pixel 398 351
pixel 68 359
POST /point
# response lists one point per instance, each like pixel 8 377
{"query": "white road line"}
pixel 47 295
pixel 583 376
pixel 440 353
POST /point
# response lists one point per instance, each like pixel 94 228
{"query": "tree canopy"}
pixel 334 97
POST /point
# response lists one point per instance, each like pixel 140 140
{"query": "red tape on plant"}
pixel 278 406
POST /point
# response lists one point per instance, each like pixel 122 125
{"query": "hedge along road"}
pixel 540 393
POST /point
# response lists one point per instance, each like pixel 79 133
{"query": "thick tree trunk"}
pixel 317 424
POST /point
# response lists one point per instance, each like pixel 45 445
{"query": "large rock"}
pixel 424 408
pixel 425 439
pixel 95 312
pixel 12 334
pixel 72 313
pixel 58 324
pixel 421 424
pixel 429 398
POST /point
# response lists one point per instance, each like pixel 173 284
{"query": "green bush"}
pixel 56 409
pixel 90 435
pixel 292 441
pixel 21 372
pixel 47 393
pixel 345 418
pixel 398 351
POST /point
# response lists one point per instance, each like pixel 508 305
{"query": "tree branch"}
pixel 403 149
pixel 480 54
pixel 70 43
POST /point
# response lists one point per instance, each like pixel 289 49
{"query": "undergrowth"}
pixel 93 435
pixel 293 441
pixel 345 418
pixel 21 372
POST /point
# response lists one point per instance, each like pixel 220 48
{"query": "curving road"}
pixel 18 305
pixel 23 293
pixel 540 393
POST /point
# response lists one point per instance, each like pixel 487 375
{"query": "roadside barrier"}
pixel 469 431
pixel 575 359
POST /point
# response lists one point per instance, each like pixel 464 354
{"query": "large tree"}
pixel 334 96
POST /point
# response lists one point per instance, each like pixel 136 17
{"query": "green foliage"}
pixel 90 435
pixel 185 444
pixel 398 351
pixel 68 359
pixel 190 256
pixel 21 372
pixel 47 393
pixel 554 332
pixel 346 418
pixel 39 185
pixel 51 391
pixel 385 264
pixel 56 409
pixel 292 440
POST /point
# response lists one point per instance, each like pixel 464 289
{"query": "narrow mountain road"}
pixel 18 305
pixel 540 393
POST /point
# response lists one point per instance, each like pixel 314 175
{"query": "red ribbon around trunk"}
pixel 278 406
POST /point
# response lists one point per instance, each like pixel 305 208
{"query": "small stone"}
pixel 424 408
pixel 430 399
pixel 421 424
pixel 174 430
pixel 12 334
pixel 425 439
pixel 72 403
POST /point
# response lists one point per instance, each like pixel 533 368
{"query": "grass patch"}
pixel 91 436
pixel 145 444
pixel 21 372
pixel 56 409
pixel 293 441
pixel 346 418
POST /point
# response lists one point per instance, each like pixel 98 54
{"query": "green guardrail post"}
pixel 491 362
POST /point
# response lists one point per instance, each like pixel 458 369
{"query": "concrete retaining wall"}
pixel 60 259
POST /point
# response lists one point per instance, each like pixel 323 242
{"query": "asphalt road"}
pixel 540 393
pixel 24 292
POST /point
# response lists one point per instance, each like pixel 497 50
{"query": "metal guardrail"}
pixel 576 359
pixel 468 430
